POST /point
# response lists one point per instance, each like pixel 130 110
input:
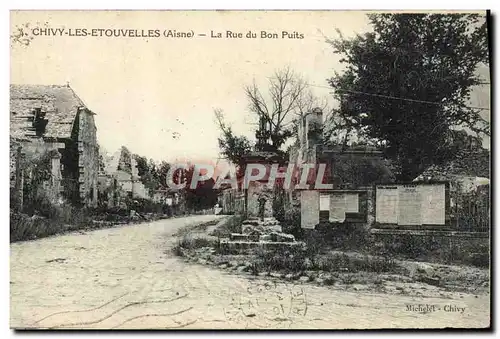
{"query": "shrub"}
pixel 377 264
pixel 178 250
pixel 315 245
pixel 448 250
pixel 278 204
pixel 188 243
pixel 231 225
pixel 341 262
pixel 481 260
pixel 346 236
pixel 141 205
pixel 329 281
pixel 291 223
pixel 292 259
pixel 24 227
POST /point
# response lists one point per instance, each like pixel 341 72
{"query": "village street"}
pixel 127 277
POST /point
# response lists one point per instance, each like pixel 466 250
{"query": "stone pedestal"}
pixel 259 196
pixel 259 193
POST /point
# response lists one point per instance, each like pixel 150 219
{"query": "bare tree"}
pixel 286 102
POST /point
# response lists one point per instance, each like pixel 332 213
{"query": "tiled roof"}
pixel 60 103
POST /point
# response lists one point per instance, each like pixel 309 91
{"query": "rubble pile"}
pixel 257 230
pixel 259 233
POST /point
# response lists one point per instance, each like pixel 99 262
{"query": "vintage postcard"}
pixel 249 169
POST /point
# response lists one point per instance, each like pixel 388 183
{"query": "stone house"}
pixel 469 168
pixel 53 120
pixel 120 179
pixel 468 174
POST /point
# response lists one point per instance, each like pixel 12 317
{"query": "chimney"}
pixel 314 130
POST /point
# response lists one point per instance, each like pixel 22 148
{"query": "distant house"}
pixel 51 119
pixel 469 169
pixel 121 172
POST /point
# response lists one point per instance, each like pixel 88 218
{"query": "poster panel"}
pixel 324 202
pixel 386 211
pixel 309 209
pixel 409 205
pixel 337 208
pixel 433 207
pixel 351 202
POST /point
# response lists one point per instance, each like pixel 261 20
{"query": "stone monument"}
pixel 259 196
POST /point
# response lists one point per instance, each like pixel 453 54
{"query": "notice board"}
pixel 309 209
pixel 343 206
pixel 412 204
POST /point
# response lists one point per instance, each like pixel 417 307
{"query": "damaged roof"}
pixel 60 103
pixel 466 164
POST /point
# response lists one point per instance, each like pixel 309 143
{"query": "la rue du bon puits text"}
pixel 167 33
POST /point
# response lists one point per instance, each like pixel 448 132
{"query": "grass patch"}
pixel 296 260
pixel 230 225
pixel 60 220
pixel 339 262
pixel 198 228
pixel 190 244
pixel 436 249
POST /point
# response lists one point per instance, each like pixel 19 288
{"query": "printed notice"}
pixel 410 206
pixel 337 208
pixel 324 202
pixel 433 204
pixel 351 202
pixel 309 209
pixel 387 205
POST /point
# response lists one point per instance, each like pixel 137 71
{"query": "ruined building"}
pixel 51 121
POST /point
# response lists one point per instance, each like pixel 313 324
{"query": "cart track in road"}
pixel 127 277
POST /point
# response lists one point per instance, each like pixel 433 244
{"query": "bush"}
pixel 347 237
pixel 296 260
pixel 25 227
pixel 291 223
pixel 413 246
pixel 341 262
pixel 41 218
pixel 178 250
pixel 141 205
pixel 193 243
pixel 188 243
pixel 481 260
pixel 454 250
pixel 293 260
pixel 278 205
pixel 231 225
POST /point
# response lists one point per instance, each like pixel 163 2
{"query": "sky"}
pixel 156 95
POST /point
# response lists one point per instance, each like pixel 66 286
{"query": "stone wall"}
pixel 25 153
pixel 88 158
pixel 16 176
pixel 14 161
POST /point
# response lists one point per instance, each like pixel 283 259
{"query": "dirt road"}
pixel 126 277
